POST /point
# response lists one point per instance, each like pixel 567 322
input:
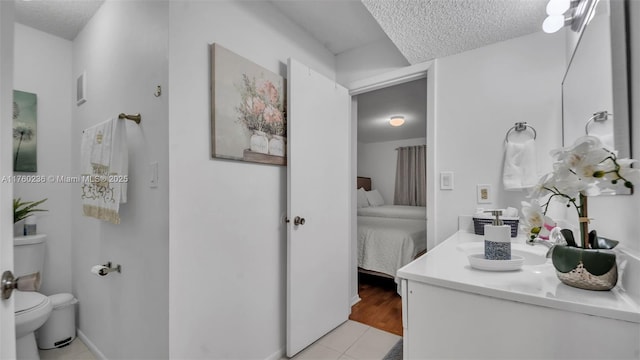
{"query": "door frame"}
pixel 7 315
pixel 413 72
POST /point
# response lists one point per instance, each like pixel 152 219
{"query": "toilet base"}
pixel 26 347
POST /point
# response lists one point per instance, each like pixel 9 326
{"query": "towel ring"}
pixel 599 116
pixel 520 126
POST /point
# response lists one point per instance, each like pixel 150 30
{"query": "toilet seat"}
pixel 32 309
pixel 29 301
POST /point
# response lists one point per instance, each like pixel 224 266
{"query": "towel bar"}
pixel 520 126
pixel 134 117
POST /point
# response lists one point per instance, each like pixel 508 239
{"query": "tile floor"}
pixel 77 350
pixel 351 341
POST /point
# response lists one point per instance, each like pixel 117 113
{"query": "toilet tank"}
pixel 28 254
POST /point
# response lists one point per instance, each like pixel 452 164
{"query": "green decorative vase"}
pixel 589 269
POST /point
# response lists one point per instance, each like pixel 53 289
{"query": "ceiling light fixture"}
pixel 566 12
pixel 396 120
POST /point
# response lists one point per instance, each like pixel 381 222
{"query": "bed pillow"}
pixel 374 197
pixel 362 198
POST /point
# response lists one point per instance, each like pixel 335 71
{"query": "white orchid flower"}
pixel 541 188
pixel 582 146
pixel 533 217
pixel 580 170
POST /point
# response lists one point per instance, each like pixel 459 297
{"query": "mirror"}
pixel 595 87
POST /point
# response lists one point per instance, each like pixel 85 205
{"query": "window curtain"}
pixel 411 176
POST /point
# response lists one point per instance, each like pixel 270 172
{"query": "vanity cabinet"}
pixel 453 311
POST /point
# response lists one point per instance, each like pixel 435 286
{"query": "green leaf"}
pixel 22 210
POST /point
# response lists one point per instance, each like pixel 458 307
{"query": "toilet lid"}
pixel 26 300
pixel 62 300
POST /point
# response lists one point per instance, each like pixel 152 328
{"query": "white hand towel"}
pixel 105 161
pixel 519 165
pixel 607 140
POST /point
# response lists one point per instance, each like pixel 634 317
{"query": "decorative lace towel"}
pixel 519 165
pixel 105 159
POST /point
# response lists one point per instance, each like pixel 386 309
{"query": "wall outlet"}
pixel 484 196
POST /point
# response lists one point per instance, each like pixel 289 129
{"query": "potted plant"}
pixel 22 210
pixel 579 171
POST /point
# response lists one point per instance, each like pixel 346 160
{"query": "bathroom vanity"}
pixel 451 310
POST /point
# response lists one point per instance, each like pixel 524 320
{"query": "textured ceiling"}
pixel 426 29
pixel 340 25
pixel 375 108
pixel 422 30
pixel 63 18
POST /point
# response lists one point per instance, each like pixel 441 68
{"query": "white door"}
pixel 7 321
pixel 319 191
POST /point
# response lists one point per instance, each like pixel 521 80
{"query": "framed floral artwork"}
pixel 248 110
pixel 25 115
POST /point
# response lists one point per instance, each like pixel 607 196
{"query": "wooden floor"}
pixel 380 305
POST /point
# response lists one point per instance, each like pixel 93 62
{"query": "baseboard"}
pixel 277 355
pixel 354 300
pixel 91 346
pixel 280 354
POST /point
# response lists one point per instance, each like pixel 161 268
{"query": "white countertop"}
pixel 447 265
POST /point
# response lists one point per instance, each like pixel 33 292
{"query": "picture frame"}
pixel 81 89
pixel 25 131
pixel 248 110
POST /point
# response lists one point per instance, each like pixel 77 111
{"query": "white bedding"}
pixel 387 244
pixel 395 211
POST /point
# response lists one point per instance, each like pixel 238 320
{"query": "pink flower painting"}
pixel 249 120
pixel 262 106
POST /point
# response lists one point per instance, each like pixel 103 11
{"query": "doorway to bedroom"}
pixel 391 196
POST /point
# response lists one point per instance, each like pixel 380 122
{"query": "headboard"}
pixel 363 182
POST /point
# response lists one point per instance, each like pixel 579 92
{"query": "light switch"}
pixel 446 180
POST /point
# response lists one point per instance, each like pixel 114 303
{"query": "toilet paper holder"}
pixel 107 268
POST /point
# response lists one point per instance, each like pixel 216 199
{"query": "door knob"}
pixel 298 220
pixel 29 282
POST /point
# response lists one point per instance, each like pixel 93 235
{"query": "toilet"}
pixel 32 309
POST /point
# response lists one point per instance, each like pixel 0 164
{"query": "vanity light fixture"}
pixel 396 120
pixel 558 7
pixel 554 23
pixel 566 12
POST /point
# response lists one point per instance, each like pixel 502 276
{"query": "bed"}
pixel 389 236
pixel 395 211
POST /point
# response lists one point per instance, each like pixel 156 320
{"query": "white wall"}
pixel 227 241
pixel 480 94
pixel 369 60
pixel 378 161
pixel 124 51
pixel 43 66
